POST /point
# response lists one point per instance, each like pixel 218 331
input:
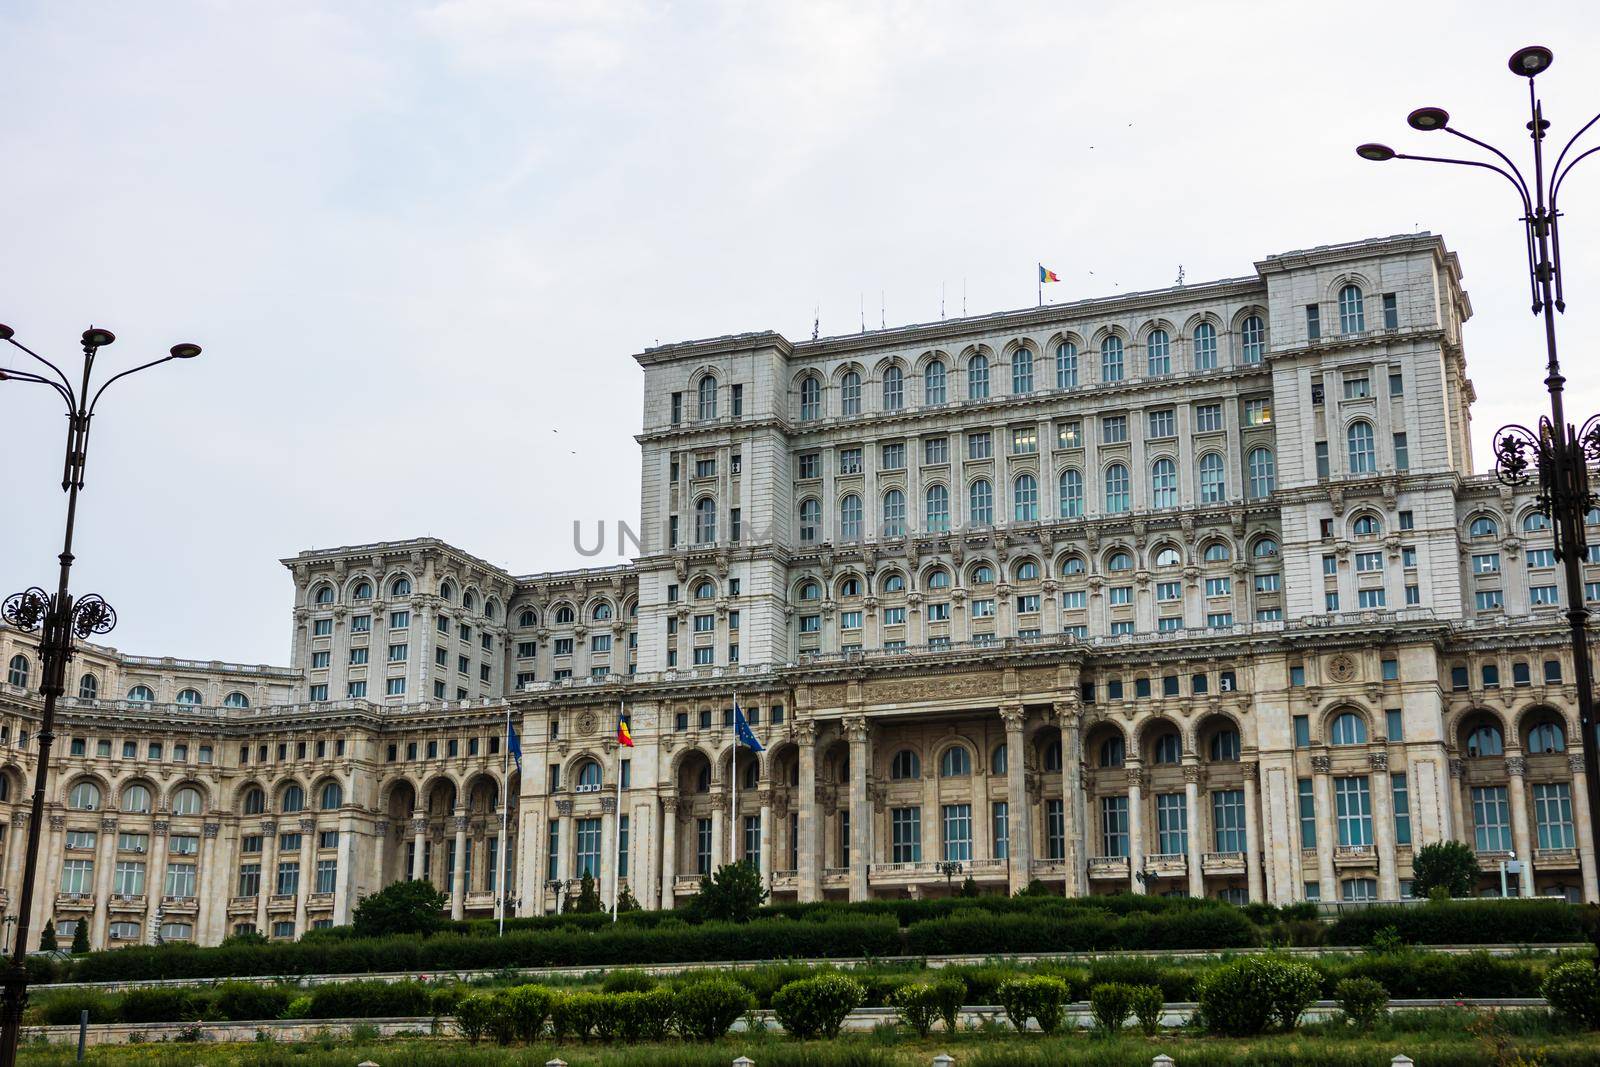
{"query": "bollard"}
pixel 744 1061
pixel 83 1032
pixel 1402 1060
pixel 555 1063
pixel 944 1059
pixel 366 1063
pixel 1163 1060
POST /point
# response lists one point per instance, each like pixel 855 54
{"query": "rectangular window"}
pixel 1357 386
pixel 180 880
pixel 1123 628
pixel 1543 596
pixel 1074 600
pixel 319 660
pixel 1024 440
pixel 1227 820
pixel 552 863
pixel 894 616
pixel 1302 731
pixel 1391 312
pixel 1169 591
pixel 983 608
pixel 1353 809
pixel 894 456
pixel 850 460
pixel 705 468
pixel 322 628
pixel 1163 422
pixel 1402 453
pixel 1055 830
pixel 1552 813
pixel 1323 470
pixel 288 883
pixel 1172 824
pixel 810 465
pixel 1258 412
pixel 586 835
pixel 850 620
pixel 1400 789
pixel 957 822
pixel 1395 722
pixel 736 397
pixel 979 446
pixel 906 835
pixel 249 880
pixel 1001 829
pixel 1114 826
pixel 1069 434
pixel 395 687
pixel 128 880
pixel 1114 429
pixel 1491 818
pixel 1368 599
pixel 361 624
pixel 319 693
pixel 1539 558
pixel 939 612
pixel 1488 600
pixel 1313 322
pixel 1207 418
pixel 399 620
pixel 1219 586
pixel 935 451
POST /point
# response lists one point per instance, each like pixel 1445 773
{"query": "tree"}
pixel 410 907
pixel 969 888
pixel 626 901
pixel 588 899
pixel 732 893
pixel 80 939
pixel 47 936
pixel 1447 865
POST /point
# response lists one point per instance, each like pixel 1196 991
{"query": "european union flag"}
pixel 742 732
pixel 514 743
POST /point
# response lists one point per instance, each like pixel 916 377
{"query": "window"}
pixel 736 402
pixel 1252 339
pixel 88 687
pixel 1158 350
pixel 981 503
pixel 1025 499
pixel 894 514
pixel 893 456
pixel 1543 596
pixel 1208 418
pixel 1491 819
pixel 180 880
pixel 186 801
pixel 1066 365
pixel 1313 322
pixel 906 835
pixel 1172 824
pixel 1358 438
pixel 1258 412
pixel 1227 821
pixel 1552 813
pixel 894 389
pixel 1357 386
pixel 957 822
pixel 1114 430
pixel 979 446
pixel 1400 790
pixel 1114 826
pixel 1164 484
pixel 707 396
pixel 288 883
pixel 810 398
pixel 955 763
pixel 1348 728
pixel 1352 316
pixel 1546 738
pixel 1308 814
pixel 1358 889
pixel 1402 453
pixel 1224 746
pixel 936 451
pixel 1162 422
pixel 933 383
pixel 1111 359
pixel 1213 486
pixel 1205 347
pixel 1169 747
pixel 1022 370
pixel 1485 740
pixel 1117 499
pixel 978 377
pixel 1353 808
pixel 1263 473
pixel 1071 493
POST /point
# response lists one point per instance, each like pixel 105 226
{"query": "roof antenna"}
pixel 963 298
pixel 883 313
pixel 863 295
pixel 816 322
pixel 1180 273
pixel 941 300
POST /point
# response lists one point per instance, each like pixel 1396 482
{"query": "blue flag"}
pixel 742 732
pixel 514 743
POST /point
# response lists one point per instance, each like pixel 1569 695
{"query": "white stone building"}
pixel 1188 591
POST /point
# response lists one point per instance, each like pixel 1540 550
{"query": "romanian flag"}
pixel 624 735
pixel 1047 275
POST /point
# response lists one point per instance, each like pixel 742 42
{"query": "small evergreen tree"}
pixel 969 888
pixel 409 907
pixel 1447 865
pixel 732 893
pixel 588 899
pixel 47 936
pixel 80 939
pixel 626 901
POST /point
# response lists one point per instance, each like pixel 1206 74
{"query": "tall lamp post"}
pixel 1556 453
pixel 63 621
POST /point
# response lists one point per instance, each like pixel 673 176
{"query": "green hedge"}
pixel 1464 922
pixel 1212 928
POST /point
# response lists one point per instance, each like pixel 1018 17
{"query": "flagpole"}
pixel 616 860
pixel 733 818
pixel 1040 284
pixel 500 854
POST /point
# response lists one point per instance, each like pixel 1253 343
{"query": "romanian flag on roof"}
pixel 1047 275
pixel 624 735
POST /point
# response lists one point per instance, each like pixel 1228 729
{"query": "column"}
pixel 105 864
pixel 608 851
pixel 1585 834
pixel 308 873
pixel 211 886
pixel 1463 825
pixel 669 848
pixel 419 843
pixel 1383 826
pixel 765 796
pixel 16 847
pixel 719 827
pixel 1253 850
pixel 1074 822
pixel 269 859
pixel 344 880
pixel 458 883
pixel 809 888
pixel 1521 833
pixel 380 857
pixel 1019 825
pixel 155 881
pixel 564 845
pixel 860 806
pixel 1191 799
pixel 1135 829
pixel 1327 840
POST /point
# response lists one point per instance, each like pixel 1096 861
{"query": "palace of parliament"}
pixel 1193 591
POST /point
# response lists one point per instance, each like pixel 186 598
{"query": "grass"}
pixel 1452 1036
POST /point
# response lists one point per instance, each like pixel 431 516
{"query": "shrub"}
pixel 1242 998
pixel 1573 990
pixel 1448 865
pixel 573 1015
pixel 528 1006
pixel 158 1004
pixel 298 1008
pixel 706 1008
pixel 732 894
pixel 239 1001
pixel 80 938
pixel 444 1000
pixel 47 936
pixel 916 1006
pixel 1040 997
pixel 646 1015
pixel 409 907
pixel 63 1008
pixel 816 1007
pixel 628 982
pixel 1111 1002
pixel 948 995
pixel 474 1015
pixel 1362 1000
pixel 1463 922
pixel 370 1000
pixel 1147 1003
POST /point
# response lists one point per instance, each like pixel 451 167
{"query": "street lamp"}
pixel 63 622
pixel 1557 453
pixel 948 868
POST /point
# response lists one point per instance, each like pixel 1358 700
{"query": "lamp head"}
pixel 1528 62
pixel 1376 153
pixel 1428 119
pixel 6 332
pixel 186 350
pixel 94 337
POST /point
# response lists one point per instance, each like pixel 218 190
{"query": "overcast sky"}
pixel 420 241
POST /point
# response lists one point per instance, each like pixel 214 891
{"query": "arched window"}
pixel 1158 352
pixel 705 521
pixel 5 788
pixel 708 398
pixel 1486 741
pixel 1066 365
pixel 1071 493
pixel 1052 756
pixel 588 777
pixel 1252 339
pixel 1366 526
pixel 362 591
pixel 1116 489
pixel 1167 556
pixel 1213 479
pixel 1363 456
pixel 325 594
pixel 702 782
pixel 1119 561
pixel 1163 484
pixel 141 694
pixel 1224 746
pixel 933 383
pixel 1205 347
pixel 400 586
pixel 810 520
pixel 894 582
pixel 849 587
pixel 332 796
pixel 491 609
pixel 998 759
pixel 1168 749
pixel 936 514
pixel 602 612
pixel 565 616
pixel 1113 752
pixel 186 801
pixel 528 617
pixel 938 578
pixel 1263 473
pixel 1352 313
pixel 1022 371
pixel 1071 565
pixel 850 393
pixel 294 799
pixel 894 513
pixel 810 590
pixel 1026 571
pixel 955 763
pixel 1111 359
pixel 136 799
pixel 447 591
pixel 1348 729
pixel 810 398
pixel 468 601
pixel 1217 552
pixel 1535 522
pixel 17 672
pixel 1265 548
pixel 980 498
pixel 189 696
pixel 1025 499
pixel 905 765
pixel 850 514
pixel 705 590
pixel 978 377
pixel 85 796
pixel 894 389
pixel 1545 738
pixel 255 801
pixel 1484 526
pixel 88 687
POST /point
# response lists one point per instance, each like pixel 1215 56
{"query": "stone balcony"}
pixel 1167 864
pixel 127 902
pixel 1355 855
pixel 242 905
pixel 1222 862
pixel 1108 866
pixel 75 901
pixel 172 905
pixel 1555 858
pixel 925 873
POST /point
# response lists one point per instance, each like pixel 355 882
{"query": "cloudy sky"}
pixel 419 241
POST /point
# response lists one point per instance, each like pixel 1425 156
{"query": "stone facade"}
pixel 1189 591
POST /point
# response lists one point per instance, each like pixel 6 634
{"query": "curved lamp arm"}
pixel 1519 181
pixel 1572 141
pixel 1561 176
pixel 41 359
pixel 8 374
pixel 134 370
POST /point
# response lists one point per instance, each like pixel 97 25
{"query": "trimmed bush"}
pixel 916 1006
pixel 574 1015
pixel 646 1016
pixel 370 1000
pixel 948 996
pixel 247 1001
pixel 816 1007
pixel 474 1014
pixel 1463 922
pixel 1362 1000
pixel 156 1005
pixel 1039 997
pixel 528 1006
pixel 62 1008
pixel 1573 990
pixel 1244 997
pixel 298 1008
pixel 1111 1003
pixel 1147 1003
pixel 628 982
pixel 706 1009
